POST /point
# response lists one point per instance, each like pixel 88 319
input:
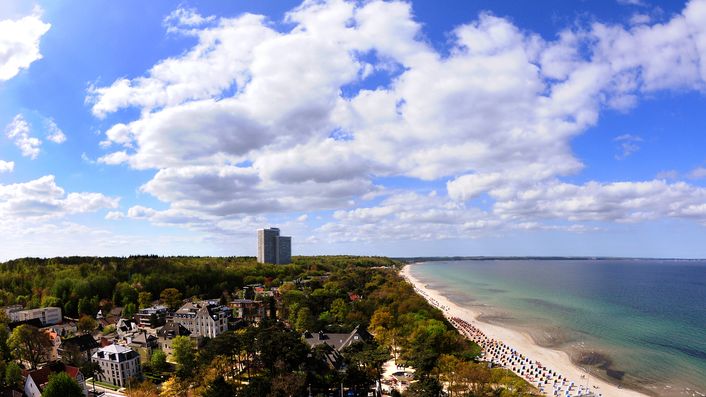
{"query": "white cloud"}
pixel 114 215
pixel 629 144
pixel 42 198
pixel 594 201
pixel 6 166
pixel 667 174
pixel 632 2
pixel 54 133
pixel 35 217
pixel 698 173
pixel 19 43
pixel 187 17
pixel 19 132
pixel 496 116
pixel 639 19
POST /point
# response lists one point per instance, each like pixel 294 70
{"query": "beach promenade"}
pixel 551 371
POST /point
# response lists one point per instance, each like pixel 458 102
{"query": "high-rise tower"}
pixel 273 248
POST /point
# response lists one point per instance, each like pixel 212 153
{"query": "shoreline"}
pixel 519 342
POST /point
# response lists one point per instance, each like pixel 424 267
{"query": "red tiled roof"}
pixel 41 376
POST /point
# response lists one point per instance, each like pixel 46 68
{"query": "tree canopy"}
pixel 62 385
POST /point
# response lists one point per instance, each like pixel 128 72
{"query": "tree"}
pixel 158 361
pixel 30 344
pixel 369 357
pixel 425 387
pixel 144 389
pixel 87 324
pixel 13 375
pixel 88 305
pixel 174 387
pixel 288 384
pixel 305 321
pixel 183 348
pixel 129 310
pixel 219 388
pixel 5 353
pixel 144 299
pixel 171 297
pixel 62 385
pixel 339 309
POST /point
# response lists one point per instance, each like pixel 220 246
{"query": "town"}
pixel 213 326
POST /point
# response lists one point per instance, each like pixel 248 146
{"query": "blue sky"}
pixel 387 128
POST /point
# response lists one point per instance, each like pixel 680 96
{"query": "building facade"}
pixel 248 310
pixel 47 315
pixel 152 317
pixel 273 248
pixel 167 334
pixel 119 365
pixel 203 319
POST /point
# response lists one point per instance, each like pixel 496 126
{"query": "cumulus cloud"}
pixel 35 217
pixel 42 199
pixel 19 132
pixel 6 166
pixel 252 120
pixel 19 43
pixel 54 133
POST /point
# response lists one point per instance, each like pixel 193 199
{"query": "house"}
pixel 333 344
pixel 83 345
pixel 248 310
pixel 55 340
pixel 36 380
pixel 65 328
pixel 111 317
pixel 203 319
pixel 152 317
pixel 166 334
pixel 125 327
pixel 143 343
pixel 119 364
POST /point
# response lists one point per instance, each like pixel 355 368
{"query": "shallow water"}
pixel 634 322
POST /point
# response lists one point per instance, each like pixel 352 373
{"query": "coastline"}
pixel 554 359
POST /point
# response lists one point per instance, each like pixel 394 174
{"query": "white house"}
pixel 119 364
pixel 203 319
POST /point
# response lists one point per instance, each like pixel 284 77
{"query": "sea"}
pixel 637 323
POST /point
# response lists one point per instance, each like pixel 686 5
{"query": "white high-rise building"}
pixel 273 248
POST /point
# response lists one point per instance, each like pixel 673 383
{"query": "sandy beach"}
pixel 555 360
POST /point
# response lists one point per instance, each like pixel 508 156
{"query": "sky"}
pixel 374 127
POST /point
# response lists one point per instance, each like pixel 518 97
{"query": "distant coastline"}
pixel 422 259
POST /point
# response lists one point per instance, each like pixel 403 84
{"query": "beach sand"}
pixel 523 343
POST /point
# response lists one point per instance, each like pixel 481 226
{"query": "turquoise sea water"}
pixel 641 323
